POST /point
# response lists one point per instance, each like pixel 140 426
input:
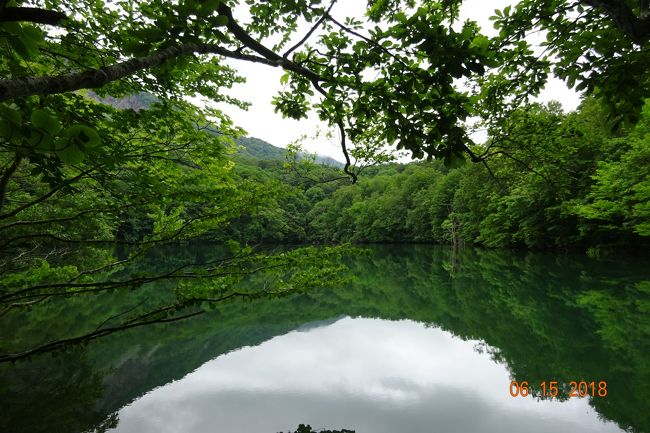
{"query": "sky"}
pixel 263 82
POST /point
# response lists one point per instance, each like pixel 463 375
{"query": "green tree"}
pixel 77 175
pixel 599 46
pixel 413 49
pixel 617 207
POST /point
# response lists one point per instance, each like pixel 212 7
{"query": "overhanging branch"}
pixel 637 28
pixel 344 148
pixel 94 78
pixel 310 32
pixel 32 15
pixel 271 56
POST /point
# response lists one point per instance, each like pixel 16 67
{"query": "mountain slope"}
pixel 257 148
pixel 253 147
pixel 250 147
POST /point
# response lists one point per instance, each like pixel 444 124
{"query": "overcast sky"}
pixel 263 83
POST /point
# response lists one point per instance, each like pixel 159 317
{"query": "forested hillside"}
pixel 558 181
pixel 252 147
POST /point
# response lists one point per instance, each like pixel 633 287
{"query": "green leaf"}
pixel 32 35
pixel 221 20
pixel 26 43
pixel 75 143
pixel 6 129
pixel 481 42
pixel 11 28
pixel 41 141
pixel 210 5
pixel 454 160
pixel 83 136
pixel 43 120
pixel 11 114
pixel 70 153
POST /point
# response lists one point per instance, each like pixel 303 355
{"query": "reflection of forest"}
pixel 546 317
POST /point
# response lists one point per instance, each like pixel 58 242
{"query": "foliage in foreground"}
pixel 73 227
pixel 387 78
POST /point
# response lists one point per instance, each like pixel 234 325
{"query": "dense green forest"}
pixel 559 181
pixel 89 188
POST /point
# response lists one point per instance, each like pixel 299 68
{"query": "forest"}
pixel 565 183
pixel 90 184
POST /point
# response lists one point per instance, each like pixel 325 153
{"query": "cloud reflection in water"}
pixel 370 375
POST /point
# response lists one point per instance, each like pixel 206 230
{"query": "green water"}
pixel 424 339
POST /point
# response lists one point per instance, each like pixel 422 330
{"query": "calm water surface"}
pixel 424 340
pixel 375 375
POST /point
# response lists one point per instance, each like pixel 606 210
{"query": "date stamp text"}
pixel 553 388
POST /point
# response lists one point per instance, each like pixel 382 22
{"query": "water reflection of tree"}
pixel 52 395
pixel 545 317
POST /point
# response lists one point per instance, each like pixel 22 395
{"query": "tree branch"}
pixel 142 320
pixel 637 28
pixel 310 32
pixel 344 148
pixel 271 56
pixel 46 196
pixel 67 218
pixel 94 78
pixel 91 287
pixel 4 180
pixel 366 39
pixel 134 282
pixel 59 344
pixel 32 15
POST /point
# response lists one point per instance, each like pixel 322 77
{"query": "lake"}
pixel 423 339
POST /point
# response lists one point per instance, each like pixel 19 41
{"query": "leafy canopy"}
pixel 390 77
